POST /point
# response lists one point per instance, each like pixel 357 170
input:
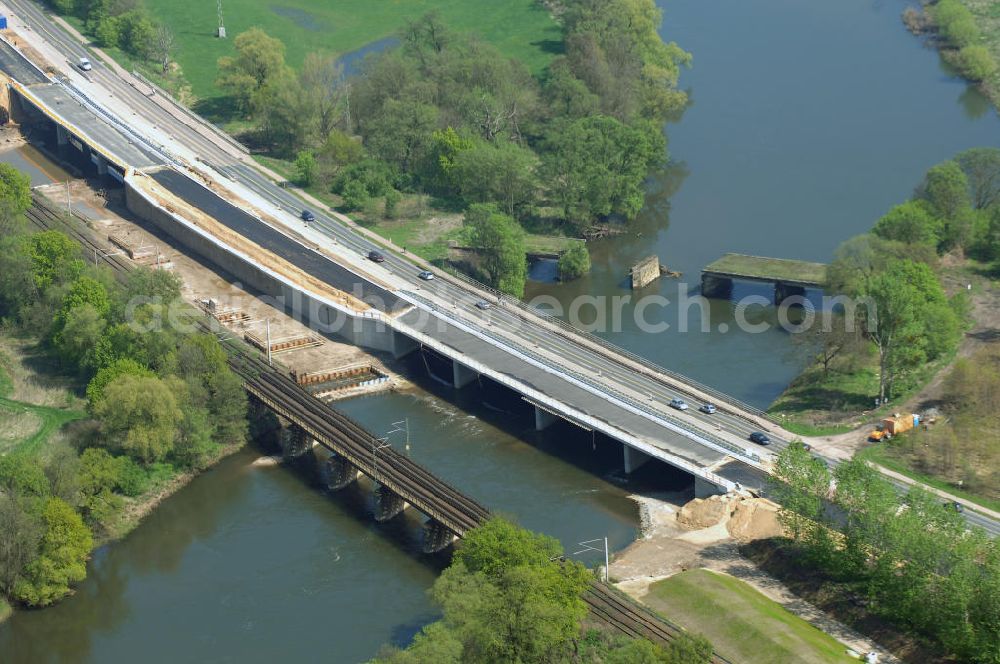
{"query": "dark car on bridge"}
pixel 376 256
pixel 308 216
pixel 759 438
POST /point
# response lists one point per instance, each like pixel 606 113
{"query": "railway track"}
pixel 341 434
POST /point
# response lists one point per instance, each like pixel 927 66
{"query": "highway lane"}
pixel 221 160
pixel 226 163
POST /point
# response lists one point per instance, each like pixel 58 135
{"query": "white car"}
pixel 678 404
pixel 84 64
pixel 426 275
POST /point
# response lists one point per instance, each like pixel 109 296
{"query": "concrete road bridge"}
pixel 198 184
pixel 200 188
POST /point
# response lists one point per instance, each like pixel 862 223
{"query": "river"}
pixel 808 121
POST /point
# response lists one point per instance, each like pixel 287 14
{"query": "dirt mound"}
pixel 745 518
pixel 754 518
pixel 705 512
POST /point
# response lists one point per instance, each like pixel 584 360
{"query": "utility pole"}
pixel 267 324
pixel 405 423
pixel 221 33
pixel 69 201
pixel 588 547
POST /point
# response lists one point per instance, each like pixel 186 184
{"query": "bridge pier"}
pixel 62 136
pixel 387 504
pixel 716 287
pixel 703 488
pixel 294 441
pixel 100 163
pixel 340 473
pixel 437 537
pixel 783 291
pixel 544 419
pixel 633 458
pixel 461 375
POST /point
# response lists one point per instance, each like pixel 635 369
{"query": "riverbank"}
pixel 981 69
pixel 705 536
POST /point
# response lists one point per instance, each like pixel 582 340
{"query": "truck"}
pixel 893 426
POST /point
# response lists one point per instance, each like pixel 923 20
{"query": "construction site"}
pixel 328 368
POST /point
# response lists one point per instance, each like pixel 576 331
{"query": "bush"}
pixel 955 23
pixel 305 168
pixel 976 63
pixel 574 262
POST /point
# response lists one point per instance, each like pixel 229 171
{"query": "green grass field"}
pixel 32 425
pixel 519 28
pixel 742 624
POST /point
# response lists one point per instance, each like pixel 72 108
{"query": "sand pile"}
pixel 745 518
pixel 705 512
pixel 754 518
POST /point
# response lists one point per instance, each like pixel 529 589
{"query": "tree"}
pixel 976 62
pixel 159 286
pixel 19 474
pixel 62 556
pixel 499 545
pixel 392 198
pixel 22 532
pixel 910 320
pixel 801 482
pixel 163 46
pixel 500 241
pixel 322 81
pixel 910 222
pixel 946 189
pixel 596 167
pixel 55 257
pixel 140 416
pixel 81 329
pixel 259 59
pixel 502 172
pixel 981 167
pixel 401 133
pixel 138 33
pixel 337 151
pixel 305 168
pixel 111 372
pixel 15 188
pixel 574 262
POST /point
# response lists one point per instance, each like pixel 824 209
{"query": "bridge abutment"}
pixel 437 537
pixel 633 458
pixel 703 488
pixel 340 473
pixel 462 375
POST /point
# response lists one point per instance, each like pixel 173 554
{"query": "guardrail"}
pixel 709 437
pixel 187 111
pixel 607 345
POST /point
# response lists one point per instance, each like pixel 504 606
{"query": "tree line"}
pixel 160 400
pixel 509 596
pixel 891 272
pixel 123 24
pixel 446 114
pixel 911 557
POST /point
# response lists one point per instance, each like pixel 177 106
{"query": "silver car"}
pixel 678 404
pixel 708 409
